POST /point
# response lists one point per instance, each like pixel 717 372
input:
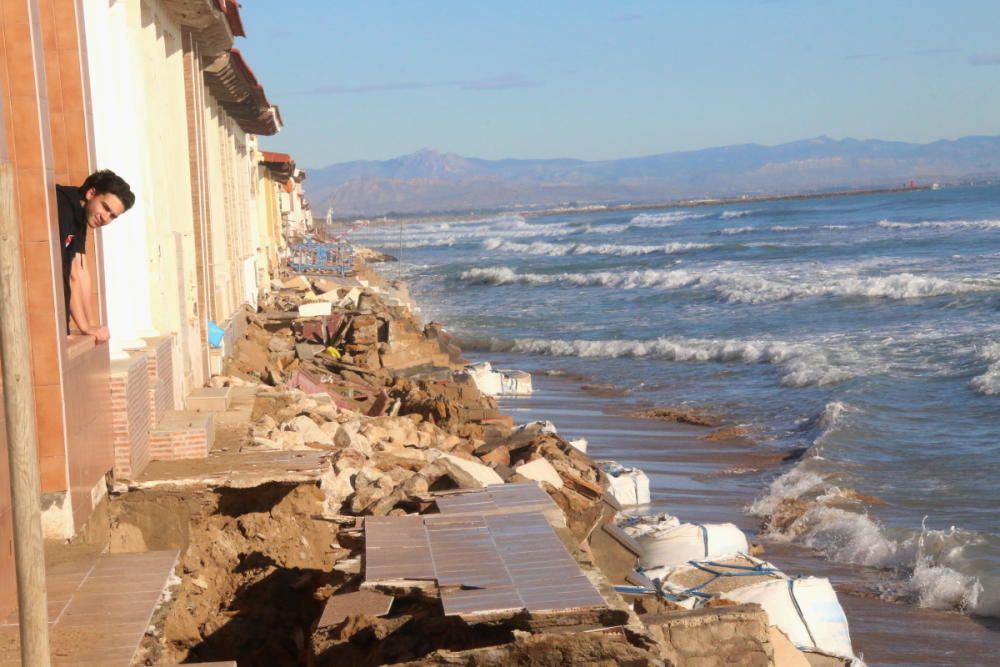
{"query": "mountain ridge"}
pixel 432 181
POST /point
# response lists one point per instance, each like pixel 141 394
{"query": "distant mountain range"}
pixel 429 181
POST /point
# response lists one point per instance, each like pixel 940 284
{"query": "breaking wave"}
pixel 988 383
pixel 665 219
pixel 737 230
pixel 622 280
pixel 957 225
pixel 800 365
pixel 803 506
pixel 561 249
pixel 733 287
pixel 728 215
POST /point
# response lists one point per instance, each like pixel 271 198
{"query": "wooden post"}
pixel 22 445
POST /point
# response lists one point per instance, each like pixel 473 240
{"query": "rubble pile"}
pixel 276 574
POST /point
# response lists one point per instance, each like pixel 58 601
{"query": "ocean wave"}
pixel 956 225
pixel 988 383
pixel 802 506
pixel 561 249
pixel 729 215
pixel 665 219
pixel 737 230
pixel 621 280
pixel 799 364
pixel 734 287
pixel 787 228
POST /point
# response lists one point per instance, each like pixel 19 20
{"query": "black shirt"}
pixel 72 231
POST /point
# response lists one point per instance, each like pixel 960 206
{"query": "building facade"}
pixel 156 91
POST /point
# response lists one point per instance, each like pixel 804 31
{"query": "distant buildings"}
pixel 155 91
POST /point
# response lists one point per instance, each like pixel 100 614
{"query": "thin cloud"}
pixel 984 59
pixel 499 82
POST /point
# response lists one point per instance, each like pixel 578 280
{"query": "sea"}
pixel 857 335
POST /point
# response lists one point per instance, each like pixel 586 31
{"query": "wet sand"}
pixel 685 480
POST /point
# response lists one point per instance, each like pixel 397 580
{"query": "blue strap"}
pixel 704 537
pixel 805 624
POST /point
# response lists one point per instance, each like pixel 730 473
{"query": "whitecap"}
pixel 728 215
pixel 946 225
pixel 665 219
pixel 562 249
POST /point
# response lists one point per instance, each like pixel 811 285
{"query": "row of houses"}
pixel 156 91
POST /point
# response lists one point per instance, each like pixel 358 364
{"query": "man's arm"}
pixel 79 300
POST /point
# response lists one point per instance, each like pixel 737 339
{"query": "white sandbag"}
pixel 652 523
pixel 487 380
pixel 676 546
pixel 719 575
pixel 807 610
pixel 629 486
pixel 515 383
pixel 536 427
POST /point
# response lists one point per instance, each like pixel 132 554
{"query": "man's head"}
pixel 106 195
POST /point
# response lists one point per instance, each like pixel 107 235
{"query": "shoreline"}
pixel 465 216
pixel 696 486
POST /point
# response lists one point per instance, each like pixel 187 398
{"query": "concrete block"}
pixel 209 399
pixel 540 470
pixel 315 309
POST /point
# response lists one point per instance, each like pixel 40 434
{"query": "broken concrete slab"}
pixel 483 475
pixel 540 470
pixel 359 603
pixel 315 309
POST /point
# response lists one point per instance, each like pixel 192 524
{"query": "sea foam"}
pixel 665 219
pixel 988 383
pixel 732 287
pixel 561 249
pixel 799 364
pixel 946 225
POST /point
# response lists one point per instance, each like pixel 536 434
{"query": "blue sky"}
pixel 600 80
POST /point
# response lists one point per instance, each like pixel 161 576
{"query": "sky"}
pixel 376 79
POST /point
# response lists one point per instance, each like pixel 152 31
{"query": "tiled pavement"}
pixel 99 608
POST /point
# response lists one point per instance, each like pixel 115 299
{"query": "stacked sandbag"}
pixel 673 546
pixel 628 486
pixel 806 610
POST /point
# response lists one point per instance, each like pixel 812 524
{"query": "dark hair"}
pixel 106 181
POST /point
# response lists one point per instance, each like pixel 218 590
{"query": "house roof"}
pixel 237 90
pixel 214 23
pixel 281 166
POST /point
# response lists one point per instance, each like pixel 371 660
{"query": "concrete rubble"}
pixel 385 403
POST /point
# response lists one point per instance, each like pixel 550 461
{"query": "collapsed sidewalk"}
pixel 365 503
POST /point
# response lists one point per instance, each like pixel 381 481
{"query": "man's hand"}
pixel 101 334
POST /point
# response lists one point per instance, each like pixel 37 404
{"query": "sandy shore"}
pixel 687 479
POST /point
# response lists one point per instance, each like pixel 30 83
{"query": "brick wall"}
pixel 161 377
pixel 183 435
pixel 130 410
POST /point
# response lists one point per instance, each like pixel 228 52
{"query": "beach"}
pixel 688 479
